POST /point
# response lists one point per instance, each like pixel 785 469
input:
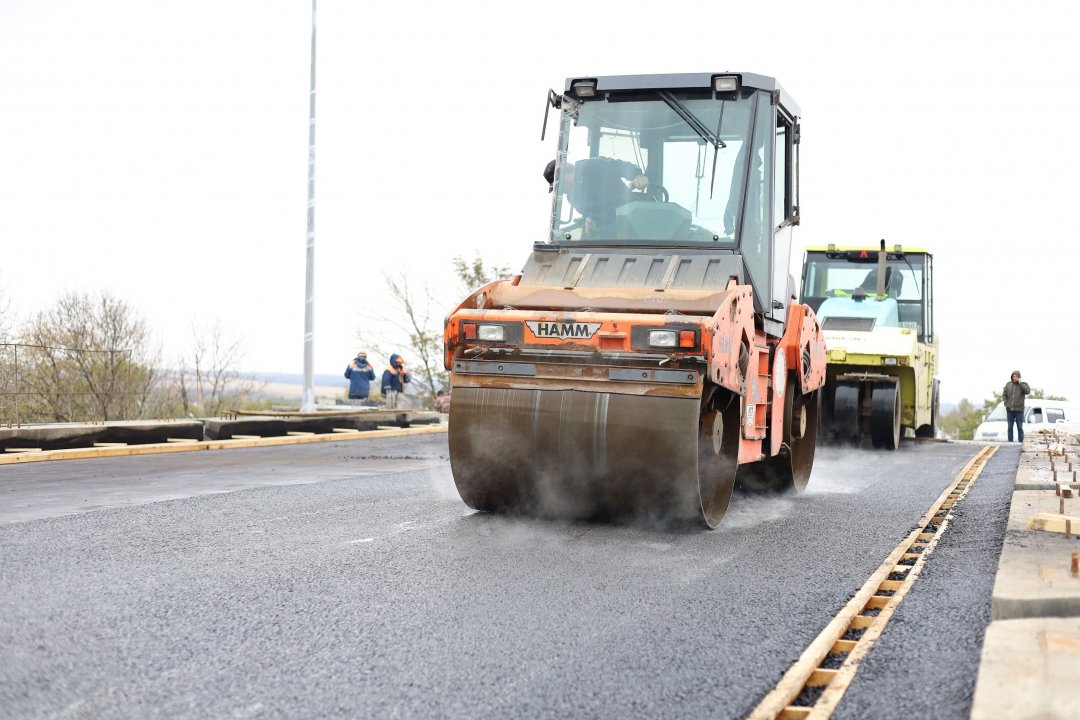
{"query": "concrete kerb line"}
pixel 198 445
pixel 1032 646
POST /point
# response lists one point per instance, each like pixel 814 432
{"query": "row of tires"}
pixel 854 411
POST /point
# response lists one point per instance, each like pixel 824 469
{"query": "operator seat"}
pixel 894 282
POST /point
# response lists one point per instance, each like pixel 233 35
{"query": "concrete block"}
pixel 285 424
pixel 63 436
pixel 1028 670
pixel 1033 578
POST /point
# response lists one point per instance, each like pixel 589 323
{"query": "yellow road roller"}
pixel 876 308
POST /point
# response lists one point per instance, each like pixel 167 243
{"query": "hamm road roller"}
pixel 651 355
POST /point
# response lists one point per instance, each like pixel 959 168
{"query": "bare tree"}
pixel 6 319
pixel 8 386
pixel 473 274
pixel 413 323
pixel 208 377
pixel 90 356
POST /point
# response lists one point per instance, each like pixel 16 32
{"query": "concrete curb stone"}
pixel 1032 647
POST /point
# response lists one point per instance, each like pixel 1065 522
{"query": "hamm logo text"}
pixel 563 329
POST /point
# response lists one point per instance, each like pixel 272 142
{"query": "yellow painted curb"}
pixel 174 447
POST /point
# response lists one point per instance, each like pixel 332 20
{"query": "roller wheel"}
pixel 790 469
pixel 885 416
pixel 845 416
pixel 801 417
pixel 482 453
pixel 718 456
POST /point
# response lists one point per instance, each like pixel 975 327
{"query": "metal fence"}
pixel 36 384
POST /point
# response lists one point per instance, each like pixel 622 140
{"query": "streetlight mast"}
pixel 307 400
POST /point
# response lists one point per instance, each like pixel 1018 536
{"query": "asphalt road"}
pixel 358 585
pixel 52 488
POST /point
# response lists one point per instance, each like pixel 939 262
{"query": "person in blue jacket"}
pixel 360 374
pixel 394 378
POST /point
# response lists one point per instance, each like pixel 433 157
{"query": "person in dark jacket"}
pixel 360 374
pixel 549 175
pixel 394 378
pixel 595 188
pixel 1013 396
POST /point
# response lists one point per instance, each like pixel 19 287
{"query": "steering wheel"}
pixel 654 191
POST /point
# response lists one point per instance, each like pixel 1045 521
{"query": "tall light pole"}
pixel 307 400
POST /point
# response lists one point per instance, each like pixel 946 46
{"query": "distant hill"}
pixel 290 386
pixel 298 378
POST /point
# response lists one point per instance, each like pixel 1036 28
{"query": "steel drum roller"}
pixel 581 454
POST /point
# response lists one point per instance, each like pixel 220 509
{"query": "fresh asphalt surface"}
pixel 924 664
pixel 348 580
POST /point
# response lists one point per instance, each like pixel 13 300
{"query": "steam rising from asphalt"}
pixel 847 470
pixel 542 486
pixel 748 511
pixel 573 484
pixel 441 480
pixel 570 488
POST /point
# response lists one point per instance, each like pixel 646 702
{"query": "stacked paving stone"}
pixel 1031 654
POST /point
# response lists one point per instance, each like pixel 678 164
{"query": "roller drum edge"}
pixel 576 454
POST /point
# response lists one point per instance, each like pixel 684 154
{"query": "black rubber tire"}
pixel 845 415
pixel 885 416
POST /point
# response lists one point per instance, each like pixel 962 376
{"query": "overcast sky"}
pixel 158 150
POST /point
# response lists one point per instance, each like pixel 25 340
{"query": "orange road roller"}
pixel 651 356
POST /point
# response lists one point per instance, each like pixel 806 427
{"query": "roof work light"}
pixel 584 88
pixel 725 83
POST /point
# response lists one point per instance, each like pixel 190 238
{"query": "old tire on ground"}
pixel 574 454
pixel 885 416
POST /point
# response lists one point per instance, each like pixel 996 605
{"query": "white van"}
pixel 1039 415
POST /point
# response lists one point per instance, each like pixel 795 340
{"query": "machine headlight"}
pixel 663 338
pixel 583 88
pixel 725 83
pixel 491 333
pixel 890 361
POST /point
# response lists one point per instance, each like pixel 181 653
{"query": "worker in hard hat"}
pixel 394 378
pixel 360 374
